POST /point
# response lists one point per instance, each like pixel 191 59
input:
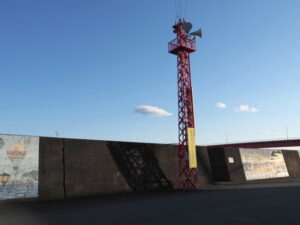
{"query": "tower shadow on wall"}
pixel 139 167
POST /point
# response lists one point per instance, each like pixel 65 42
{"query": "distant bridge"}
pixel 262 144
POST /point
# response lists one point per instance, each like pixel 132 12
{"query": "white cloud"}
pixel 220 105
pixel 151 110
pixel 245 108
pixel 252 109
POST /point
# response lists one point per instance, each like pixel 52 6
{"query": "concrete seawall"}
pixel 76 168
pixel 57 168
pixel 238 165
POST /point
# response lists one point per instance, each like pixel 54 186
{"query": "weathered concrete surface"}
pixel 204 168
pixel 235 169
pixel 78 168
pixel 90 169
pixel 19 167
pixel 145 167
pixel 167 156
pixel 225 171
pixel 254 206
pixel 292 162
pixel 51 169
pixel 218 164
pixel 105 167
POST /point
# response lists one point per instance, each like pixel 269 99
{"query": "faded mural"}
pixel 263 164
pixel 19 163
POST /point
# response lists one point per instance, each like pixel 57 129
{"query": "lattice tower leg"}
pixel 187 176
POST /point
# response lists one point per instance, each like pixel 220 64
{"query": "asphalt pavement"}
pixel 272 203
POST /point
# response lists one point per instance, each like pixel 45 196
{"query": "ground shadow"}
pixel 139 166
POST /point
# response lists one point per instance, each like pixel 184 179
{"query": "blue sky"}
pixel 82 67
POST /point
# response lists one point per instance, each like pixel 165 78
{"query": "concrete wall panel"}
pixel 204 167
pixel 90 169
pixel 140 164
pixel 167 165
pixel 77 168
pixel 292 162
pixel 51 171
pixel 263 164
pixel 234 164
pixel 19 166
pixel 218 164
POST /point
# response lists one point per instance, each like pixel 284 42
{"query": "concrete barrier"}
pixel 56 168
pixel 106 167
pixel 204 167
pixel 19 167
pixel 69 168
pixel 292 163
pixel 238 165
pixel 90 169
pixel 51 169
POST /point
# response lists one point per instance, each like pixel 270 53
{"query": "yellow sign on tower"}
pixel 192 147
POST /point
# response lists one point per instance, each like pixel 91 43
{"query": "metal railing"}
pixel 187 43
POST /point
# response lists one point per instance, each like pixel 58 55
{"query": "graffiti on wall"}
pixel 19 163
pixel 263 164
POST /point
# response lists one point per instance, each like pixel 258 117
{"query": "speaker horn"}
pixel 187 26
pixel 197 33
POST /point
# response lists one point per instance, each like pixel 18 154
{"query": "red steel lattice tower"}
pixel 182 46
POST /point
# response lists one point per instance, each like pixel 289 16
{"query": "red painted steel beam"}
pixel 182 46
pixel 263 144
